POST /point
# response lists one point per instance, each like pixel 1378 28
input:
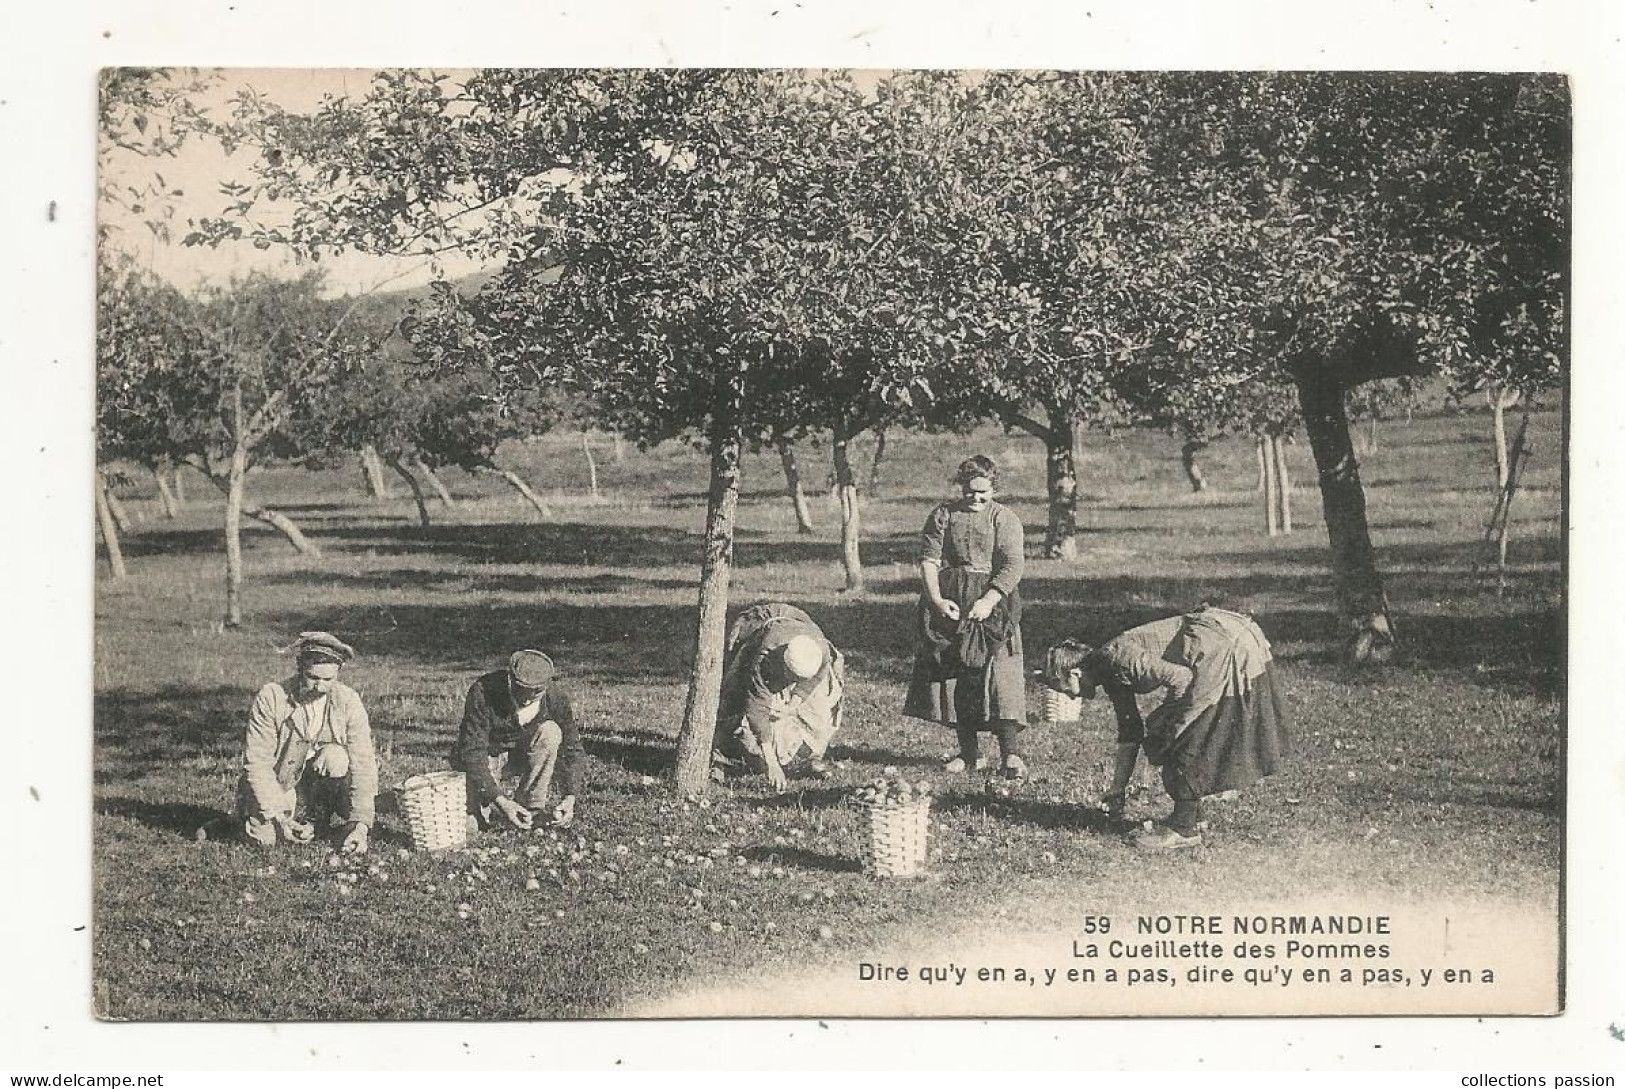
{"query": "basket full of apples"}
pixel 899 813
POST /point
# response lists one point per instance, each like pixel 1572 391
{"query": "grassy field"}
pixel 1438 773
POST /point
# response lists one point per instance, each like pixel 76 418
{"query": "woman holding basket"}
pixel 968 671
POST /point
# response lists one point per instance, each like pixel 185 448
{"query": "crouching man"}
pixel 782 683
pixel 307 755
pixel 518 725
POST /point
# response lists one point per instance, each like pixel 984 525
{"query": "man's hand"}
pixel 517 815
pixel 355 840
pixel 949 609
pixel 982 608
pixel 564 814
pixel 295 831
pixel 776 776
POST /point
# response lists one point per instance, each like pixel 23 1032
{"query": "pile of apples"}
pixel 893 790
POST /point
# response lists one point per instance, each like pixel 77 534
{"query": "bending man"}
pixel 518 724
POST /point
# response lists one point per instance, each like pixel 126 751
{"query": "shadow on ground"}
pixel 1042 814
pixel 802 859
pixel 183 819
pixel 641 752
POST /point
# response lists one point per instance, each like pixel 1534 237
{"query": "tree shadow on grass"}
pixel 465 580
pixel 182 819
pixel 802 859
pixel 552 544
pixel 1033 811
pixel 147 731
pixel 1443 790
pixel 641 752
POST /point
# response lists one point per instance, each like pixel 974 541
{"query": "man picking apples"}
pixel 518 724
pixel 307 753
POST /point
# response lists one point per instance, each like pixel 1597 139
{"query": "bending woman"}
pixel 1221 725
pixel 968 671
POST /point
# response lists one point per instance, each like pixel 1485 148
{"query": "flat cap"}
pixel 323 646
pixel 530 669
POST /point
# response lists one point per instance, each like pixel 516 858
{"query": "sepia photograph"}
pixel 622 543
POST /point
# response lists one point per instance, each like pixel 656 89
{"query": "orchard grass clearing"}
pixel 1439 773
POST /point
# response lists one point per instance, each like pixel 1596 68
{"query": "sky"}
pixel 201 166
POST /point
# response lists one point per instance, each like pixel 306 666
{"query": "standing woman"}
pixel 968 671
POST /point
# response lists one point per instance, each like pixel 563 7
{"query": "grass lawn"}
pixel 1436 776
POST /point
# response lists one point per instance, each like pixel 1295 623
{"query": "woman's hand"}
pixel 982 608
pixel 948 609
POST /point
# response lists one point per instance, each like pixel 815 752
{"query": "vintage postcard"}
pixel 961 540
pixel 830 543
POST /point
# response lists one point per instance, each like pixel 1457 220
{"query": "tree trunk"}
pixel 285 526
pixel 1061 477
pixel 846 491
pixel 110 538
pixel 1283 484
pixel 1371 434
pixel 1193 468
pixel 705 683
pixel 1262 474
pixel 372 471
pixel 121 517
pixel 1501 400
pixel 1266 458
pixel 234 531
pixel 276 520
pixel 619 447
pixel 518 484
pixel 428 473
pixel 592 465
pixel 874 466
pixel 792 488
pixel 177 483
pixel 166 496
pixel 417 490
pixel 1359 588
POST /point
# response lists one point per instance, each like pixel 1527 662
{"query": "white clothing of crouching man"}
pixel 307 753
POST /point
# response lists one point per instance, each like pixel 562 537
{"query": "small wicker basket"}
pixel 896 846
pixel 1056 706
pixel 436 808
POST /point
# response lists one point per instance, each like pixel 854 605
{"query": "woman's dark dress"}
pixel 977 550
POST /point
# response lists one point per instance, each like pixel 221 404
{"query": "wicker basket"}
pixel 436 808
pixel 897 839
pixel 1056 706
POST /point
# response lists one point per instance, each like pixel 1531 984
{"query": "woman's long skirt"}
pixel 943 691
pixel 1232 744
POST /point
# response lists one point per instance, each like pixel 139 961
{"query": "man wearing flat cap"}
pixel 518 724
pixel 782 683
pixel 307 754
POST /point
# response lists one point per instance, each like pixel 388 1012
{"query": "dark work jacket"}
pixel 491 726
